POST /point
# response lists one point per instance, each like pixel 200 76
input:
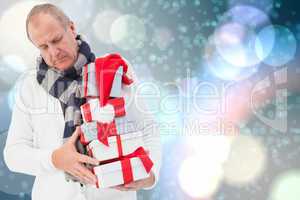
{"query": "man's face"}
pixel 57 44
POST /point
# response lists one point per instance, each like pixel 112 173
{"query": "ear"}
pixel 73 29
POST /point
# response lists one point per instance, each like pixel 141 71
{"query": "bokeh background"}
pixel 221 77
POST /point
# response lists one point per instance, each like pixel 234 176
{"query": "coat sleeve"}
pixel 20 153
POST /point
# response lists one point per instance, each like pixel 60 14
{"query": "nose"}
pixel 54 51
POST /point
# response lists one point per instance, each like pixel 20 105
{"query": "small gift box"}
pixel 129 168
pixel 97 130
pixel 116 147
pixel 92 111
pixel 104 77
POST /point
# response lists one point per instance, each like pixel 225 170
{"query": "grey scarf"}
pixel 66 85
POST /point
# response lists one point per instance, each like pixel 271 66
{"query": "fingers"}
pixel 86 159
pixel 86 174
pixel 79 176
pixel 134 184
pixel 121 188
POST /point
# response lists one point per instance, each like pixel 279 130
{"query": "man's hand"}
pixel 68 159
pixel 137 185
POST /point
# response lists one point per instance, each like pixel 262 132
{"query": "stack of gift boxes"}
pixel 121 155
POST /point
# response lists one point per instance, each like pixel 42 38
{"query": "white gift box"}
pixel 89 130
pixel 121 144
pixel 91 111
pixel 111 174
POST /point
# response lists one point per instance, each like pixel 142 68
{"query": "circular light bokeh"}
pixel 236 45
pixel 235 38
pixel 246 161
pixel 80 12
pixel 281 43
pixel 224 70
pixel 102 25
pixel 249 16
pixel 265 5
pixel 199 179
pixel 13 36
pixel 128 32
pixel 286 186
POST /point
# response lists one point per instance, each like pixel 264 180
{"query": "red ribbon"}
pixel 119 106
pixel 85 77
pixel 105 130
pixel 82 138
pixel 126 171
pixel 119 145
pixel 126 80
pixel 87 112
pixel 126 165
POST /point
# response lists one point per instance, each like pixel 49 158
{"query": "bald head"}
pixel 52 32
pixel 48 9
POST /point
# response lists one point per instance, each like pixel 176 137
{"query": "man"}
pixel 36 143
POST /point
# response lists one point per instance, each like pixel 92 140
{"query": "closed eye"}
pixel 43 47
pixel 56 40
